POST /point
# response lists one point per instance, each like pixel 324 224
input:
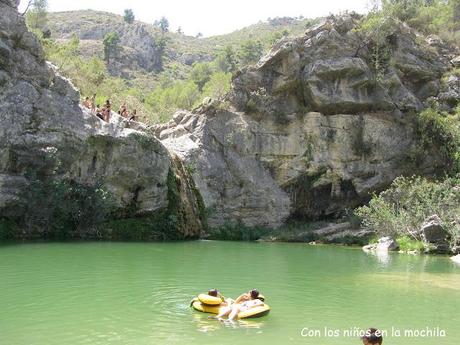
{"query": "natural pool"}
pixel 139 293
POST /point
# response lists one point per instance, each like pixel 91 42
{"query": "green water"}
pixel 135 293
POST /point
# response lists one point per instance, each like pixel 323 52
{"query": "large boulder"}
pixel 384 244
pixel 434 235
pixel 449 96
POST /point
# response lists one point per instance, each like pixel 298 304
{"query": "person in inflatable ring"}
pixel 216 293
pixel 244 302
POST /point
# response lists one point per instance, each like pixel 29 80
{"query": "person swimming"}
pixel 372 337
pixel 215 293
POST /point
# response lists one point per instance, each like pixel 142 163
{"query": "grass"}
pixel 408 244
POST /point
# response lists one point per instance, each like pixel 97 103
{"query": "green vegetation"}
pixel 289 232
pixel 441 130
pixel 409 244
pixel 441 17
pixel 163 225
pixel 158 94
pixel 59 209
pixel 401 210
pixel 129 16
pixel 162 24
pixel 37 17
pixel 111 48
pixel 250 52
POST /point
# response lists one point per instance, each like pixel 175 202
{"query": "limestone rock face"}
pixel 45 134
pixel 311 130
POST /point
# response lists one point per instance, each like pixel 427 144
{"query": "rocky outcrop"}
pixel 45 135
pixel 434 235
pixel 140 49
pixel 312 129
pixel 384 244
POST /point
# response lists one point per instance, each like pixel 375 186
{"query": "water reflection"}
pixel 206 325
pixel 382 256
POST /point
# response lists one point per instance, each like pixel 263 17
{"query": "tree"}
pixel 111 48
pixel 218 85
pixel 129 16
pixel 37 15
pixel 199 35
pixel 226 60
pixel 67 51
pixel 162 24
pixel 201 73
pixel 250 52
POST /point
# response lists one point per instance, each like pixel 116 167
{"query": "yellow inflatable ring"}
pixel 209 300
pixel 212 309
pixel 258 311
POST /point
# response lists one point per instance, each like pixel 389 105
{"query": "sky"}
pixel 211 17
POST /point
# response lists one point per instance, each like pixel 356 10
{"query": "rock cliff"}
pixel 310 131
pixel 45 135
pixel 313 129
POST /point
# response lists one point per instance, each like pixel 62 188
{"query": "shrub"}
pixel 438 129
pixel 238 232
pixel 401 210
pixel 63 209
pixel 408 244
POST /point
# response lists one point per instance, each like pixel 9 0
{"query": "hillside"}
pixel 156 72
pixel 91 27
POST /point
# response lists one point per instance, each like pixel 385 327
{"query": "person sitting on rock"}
pixel 123 110
pixel 99 112
pixel 87 103
pixel 133 116
pixel 244 302
pixel 372 337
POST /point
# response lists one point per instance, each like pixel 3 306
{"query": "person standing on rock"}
pixel 93 104
pixel 108 111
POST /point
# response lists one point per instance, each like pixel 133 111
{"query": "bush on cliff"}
pixel 61 209
pixel 442 131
